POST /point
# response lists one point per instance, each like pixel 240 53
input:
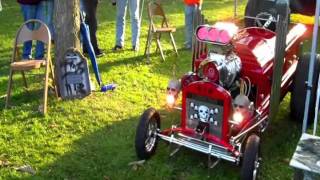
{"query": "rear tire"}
pixel 146 139
pixel 251 156
pixel 299 89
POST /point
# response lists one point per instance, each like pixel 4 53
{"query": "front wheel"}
pixel 251 158
pixel 146 135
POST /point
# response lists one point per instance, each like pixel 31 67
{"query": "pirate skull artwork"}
pixel 203 113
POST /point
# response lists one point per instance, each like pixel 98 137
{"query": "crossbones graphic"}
pixel 204 114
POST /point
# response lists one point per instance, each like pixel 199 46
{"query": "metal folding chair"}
pixel 24 34
pixel 155 11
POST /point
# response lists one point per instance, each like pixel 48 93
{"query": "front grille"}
pixel 204 114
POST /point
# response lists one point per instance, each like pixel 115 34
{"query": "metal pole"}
pixel 315 124
pixel 316 28
pixel 140 19
pixel 311 67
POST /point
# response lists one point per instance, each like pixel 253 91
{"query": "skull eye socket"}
pixel 201 111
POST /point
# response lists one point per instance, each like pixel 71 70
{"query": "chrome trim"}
pixel 177 108
pixel 200 141
pixel 234 139
pixel 201 146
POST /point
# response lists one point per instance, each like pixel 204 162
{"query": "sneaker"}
pixel 26 58
pixel 135 48
pixel 117 48
pixel 99 53
pixel 188 46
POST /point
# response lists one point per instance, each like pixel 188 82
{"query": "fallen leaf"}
pixel 137 163
pixel 135 167
pixel 53 126
pixel 286 160
pixel 4 163
pixel 27 169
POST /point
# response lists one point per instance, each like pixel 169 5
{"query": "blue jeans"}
pixel 189 14
pixel 135 21
pixel 46 14
pixel 31 12
pixel 42 11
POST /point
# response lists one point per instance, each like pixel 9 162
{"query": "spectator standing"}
pixel 191 6
pixel 90 9
pixel 46 14
pixel 29 10
pixel 120 25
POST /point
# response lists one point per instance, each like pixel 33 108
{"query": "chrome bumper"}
pixel 200 146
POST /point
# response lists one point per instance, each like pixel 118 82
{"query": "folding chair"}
pixel 40 33
pixel 155 11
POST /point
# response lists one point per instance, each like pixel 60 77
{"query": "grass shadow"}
pixel 106 152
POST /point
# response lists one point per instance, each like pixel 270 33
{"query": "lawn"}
pixel 93 138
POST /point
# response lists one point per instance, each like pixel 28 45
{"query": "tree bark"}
pixel 67 31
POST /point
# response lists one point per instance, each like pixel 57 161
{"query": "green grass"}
pixel 93 138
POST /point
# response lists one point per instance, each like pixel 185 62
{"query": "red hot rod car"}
pixel 226 100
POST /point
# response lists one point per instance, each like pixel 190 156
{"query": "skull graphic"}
pixel 203 113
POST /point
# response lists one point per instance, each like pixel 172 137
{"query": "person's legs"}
pixel 90 7
pixel 135 23
pixel 189 13
pixel 49 8
pixel 28 12
pixel 41 11
pixel 120 27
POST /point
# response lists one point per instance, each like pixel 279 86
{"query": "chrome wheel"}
pixel 251 159
pixel 151 135
pixel 256 167
pixel 146 135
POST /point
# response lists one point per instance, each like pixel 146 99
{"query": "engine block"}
pixel 228 66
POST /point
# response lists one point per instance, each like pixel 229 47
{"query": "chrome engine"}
pixel 228 66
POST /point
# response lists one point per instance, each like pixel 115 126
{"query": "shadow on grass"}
pixel 105 154
pixel 24 99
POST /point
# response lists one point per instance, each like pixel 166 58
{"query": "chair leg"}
pixel 173 44
pixel 149 46
pixel 160 48
pixel 24 79
pixel 45 93
pixel 159 37
pixel 9 88
pixel 53 79
pixel 147 43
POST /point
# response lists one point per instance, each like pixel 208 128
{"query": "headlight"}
pixel 173 90
pixel 170 100
pixel 237 117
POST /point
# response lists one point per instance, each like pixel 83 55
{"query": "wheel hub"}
pixel 151 136
pixel 256 167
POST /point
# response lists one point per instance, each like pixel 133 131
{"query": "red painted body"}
pixel 255 47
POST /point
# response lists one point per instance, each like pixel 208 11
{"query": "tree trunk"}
pixel 67 30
